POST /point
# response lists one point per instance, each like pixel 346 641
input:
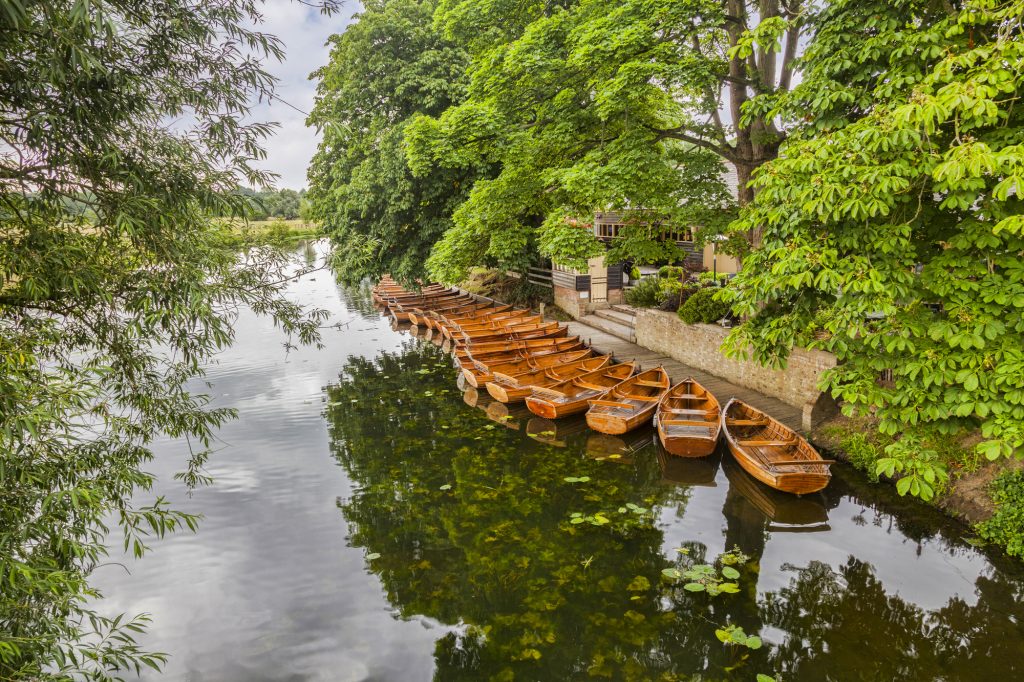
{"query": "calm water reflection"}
pixel 442 547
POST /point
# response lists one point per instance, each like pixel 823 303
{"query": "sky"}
pixel 304 32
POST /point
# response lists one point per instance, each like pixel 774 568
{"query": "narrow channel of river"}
pixel 370 521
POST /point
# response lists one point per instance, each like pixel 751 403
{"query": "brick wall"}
pixel 568 300
pixel 698 345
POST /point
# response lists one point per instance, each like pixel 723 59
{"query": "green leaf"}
pixel 372 555
pixel 694 587
pixel 730 572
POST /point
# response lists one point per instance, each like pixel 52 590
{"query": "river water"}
pixel 368 520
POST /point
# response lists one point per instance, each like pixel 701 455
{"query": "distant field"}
pixel 277 229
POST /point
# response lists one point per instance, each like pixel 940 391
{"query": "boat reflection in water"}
pixel 687 471
pixel 556 432
pixel 512 416
pixel 784 512
pixel 621 448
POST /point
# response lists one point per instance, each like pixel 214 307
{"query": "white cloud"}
pixel 304 32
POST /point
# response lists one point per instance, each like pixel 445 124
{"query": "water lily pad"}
pixel 730 572
pixel 673 573
pixel 693 587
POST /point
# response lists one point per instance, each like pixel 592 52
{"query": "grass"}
pixel 274 231
pixel 858 438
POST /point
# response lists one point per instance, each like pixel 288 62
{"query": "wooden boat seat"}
pixel 766 443
pixel 802 462
pixel 746 422
pixel 674 410
pixel 612 403
pixel 686 422
pixel 687 396
pixel 635 396
pixel 587 384
pixel 649 384
pixel 550 391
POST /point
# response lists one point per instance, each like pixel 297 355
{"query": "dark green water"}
pixel 370 521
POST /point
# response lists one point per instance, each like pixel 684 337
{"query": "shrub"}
pixel 646 294
pixel 709 278
pixel 702 307
pixel 862 453
pixel 670 272
pixel 1006 527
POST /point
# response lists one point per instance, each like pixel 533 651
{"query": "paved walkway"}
pixel 724 390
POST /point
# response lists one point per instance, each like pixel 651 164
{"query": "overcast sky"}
pixel 304 32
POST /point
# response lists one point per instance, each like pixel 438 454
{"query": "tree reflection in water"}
pixel 471 522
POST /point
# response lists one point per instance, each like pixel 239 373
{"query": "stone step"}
pixel 616 329
pixel 616 316
pixel 626 309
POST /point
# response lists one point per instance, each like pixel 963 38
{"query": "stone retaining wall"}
pixel 698 345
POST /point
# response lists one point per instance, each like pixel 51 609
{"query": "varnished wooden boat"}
pixel 480 373
pixel 425 316
pixel 400 311
pixel 519 331
pixel 772 452
pixel 388 296
pixel 489 326
pixel 512 345
pixel 418 314
pixel 630 404
pixel 451 327
pixel 571 397
pixel 514 388
pixel 436 320
pixel 689 420
pixel 561 346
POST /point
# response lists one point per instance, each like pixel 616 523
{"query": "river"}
pixel 370 521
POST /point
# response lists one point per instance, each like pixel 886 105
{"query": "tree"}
pixel 894 219
pixel 589 105
pixel 389 65
pixel 106 314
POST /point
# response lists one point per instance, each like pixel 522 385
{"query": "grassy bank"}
pixel 989 496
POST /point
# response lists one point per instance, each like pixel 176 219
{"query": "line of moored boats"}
pixel 517 356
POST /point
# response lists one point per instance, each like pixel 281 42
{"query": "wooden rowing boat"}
pixel 558 346
pixel 630 404
pixel 400 309
pixel 523 331
pixel 480 373
pixel 434 319
pixel 488 326
pixel 513 388
pixel 571 397
pixel 509 346
pixel 387 296
pixel 689 420
pixel 418 314
pixel 772 452
pixel 451 327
